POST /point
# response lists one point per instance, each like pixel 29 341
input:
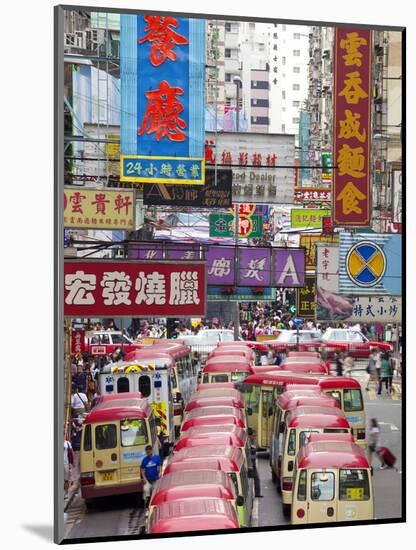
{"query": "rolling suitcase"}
pixel 388 456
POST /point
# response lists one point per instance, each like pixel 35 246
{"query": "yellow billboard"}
pixel 99 208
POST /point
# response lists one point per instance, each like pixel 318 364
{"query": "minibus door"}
pixel 266 418
pixel 322 506
pixel 133 440
pixel 106 447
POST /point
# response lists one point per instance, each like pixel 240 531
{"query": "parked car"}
pixel 106 342
pixel 353 341
pixel 288 339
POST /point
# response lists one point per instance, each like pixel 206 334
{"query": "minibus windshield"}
pixel 133 432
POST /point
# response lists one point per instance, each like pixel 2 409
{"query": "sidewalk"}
pixel 74 482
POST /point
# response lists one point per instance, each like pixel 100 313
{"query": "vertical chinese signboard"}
pixel 305 298
pixel 134 289
pixel 162 99
pixel 352 129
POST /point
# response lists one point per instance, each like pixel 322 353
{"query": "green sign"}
pixel 222 225
pixel 308 217
pixel 292 309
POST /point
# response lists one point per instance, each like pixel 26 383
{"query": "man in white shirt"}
pixel 79 402
pixel 67 466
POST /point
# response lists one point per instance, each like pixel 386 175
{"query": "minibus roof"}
pixel 235 350
pixel 313 437
pixel 213 401
pixel 119 409
pixel 286 402
pixel 193 515
pixel 148 354
pixel 215 385
pixel 297 359
pixel 207 431
pixel 216 392
pixel 342 382
pixel 173 349
pixel 332 454
pixel 312 368
pixel 220 419
pixel 223 464
pixel 261 346
pixel 233 454
pixel 316 417
pixel 117 396
pixel 220 410
pixel 191 484
pixel 230 439
pixel 227 366
pixel 230 358
pixel 279 378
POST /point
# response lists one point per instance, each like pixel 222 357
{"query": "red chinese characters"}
pixel 162 113
pixel 163 38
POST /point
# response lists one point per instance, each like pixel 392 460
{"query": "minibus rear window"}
pixel 220 378
pixel 353 400
pixel 105 437
pixel 322 486
pixel 354 485
pixel 87 438
pixel 133 432
pixel 291 446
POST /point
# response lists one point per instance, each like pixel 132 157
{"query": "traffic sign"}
pixel 297 321
pixel 292 309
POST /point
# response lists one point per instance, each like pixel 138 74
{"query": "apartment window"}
pixel 228 27
pixel 283 128
pixel 295 120
pixel 283 60
pixel 275 46
pixel 227 52
pixel 283 94
pixel 296 103
pixel 296 36
pixel 227 77
pixel 296 53
pixel 296 87
pixel 254 101
pixel 261 47
pixel 251 26
pixel 296 70
pixel 260 84
pixel 283 27
pixel 283 109
pixel 259 102
pixel 275 35
pixel 263 120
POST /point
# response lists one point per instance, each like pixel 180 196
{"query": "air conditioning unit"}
pixel 94 37
pixel 80 40
pixel 118 254
pixel 69 39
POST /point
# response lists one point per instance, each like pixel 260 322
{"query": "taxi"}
pixel 185 516
pixel 114 437
pixel 299 424
pixel 192 484
pixel 333 483
pixel 288 400
pixel 347 391
pixel 226 458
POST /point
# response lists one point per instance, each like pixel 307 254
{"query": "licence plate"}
pixel 107 476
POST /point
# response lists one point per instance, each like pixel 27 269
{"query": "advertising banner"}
pixel 310 195
pixel 134 289
pixel 288 267
pixel 254 266
pixel 99 208
pixel 309 242
pixel 78 342
pixel 241 294
pixel 397 196
pixel 332 306
pixel 221 267
pixel 208 195
pixel 326 162
pixel 162 99
pixel 311 218
pixel 352 126
pixel 306 298
pixel 370 264
pixel 222 225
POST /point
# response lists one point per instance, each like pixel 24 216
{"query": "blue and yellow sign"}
pixel 162 64
pixel 370 265
pixel 366 264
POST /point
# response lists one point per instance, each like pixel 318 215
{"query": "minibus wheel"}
pixel 89 503
pixel 286 510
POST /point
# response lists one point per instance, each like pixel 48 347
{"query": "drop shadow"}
pixel 45 532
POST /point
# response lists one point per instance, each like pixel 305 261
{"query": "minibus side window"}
pixel 105 437
pixel 238 376
pixel 152 425
pixel 302 486
pixel 145 386
pixel 304 437
pixel 205 378
pixel 220 378
pixel 252 399
pixel 244 481
pixel 335 394
pixel 291 445
pixel 87 438
pixel 336 430
pixel 133 432
pixel 354 485
pixel 123 385
pixel 322 486
pixel 352 400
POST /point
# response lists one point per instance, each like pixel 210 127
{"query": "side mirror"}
pixel 290 466
pixel 239 500
pixel 250 473
pixel 281 428
pixel 270 411
pixel 249 431
pixel 249 411
pixel 178 396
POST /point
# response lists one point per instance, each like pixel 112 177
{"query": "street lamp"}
pixel 237 81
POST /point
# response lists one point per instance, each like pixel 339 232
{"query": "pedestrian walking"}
pixel 348 364
pixel 384 373
pixel 374 443
pixel 339 363
pixel 68 461
pixel 372 370
pixel 150 469
pixel 79 402
pixel 253 458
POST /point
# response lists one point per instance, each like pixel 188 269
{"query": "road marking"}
pixel 372 395
pixel 393 428
pixel 255 513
